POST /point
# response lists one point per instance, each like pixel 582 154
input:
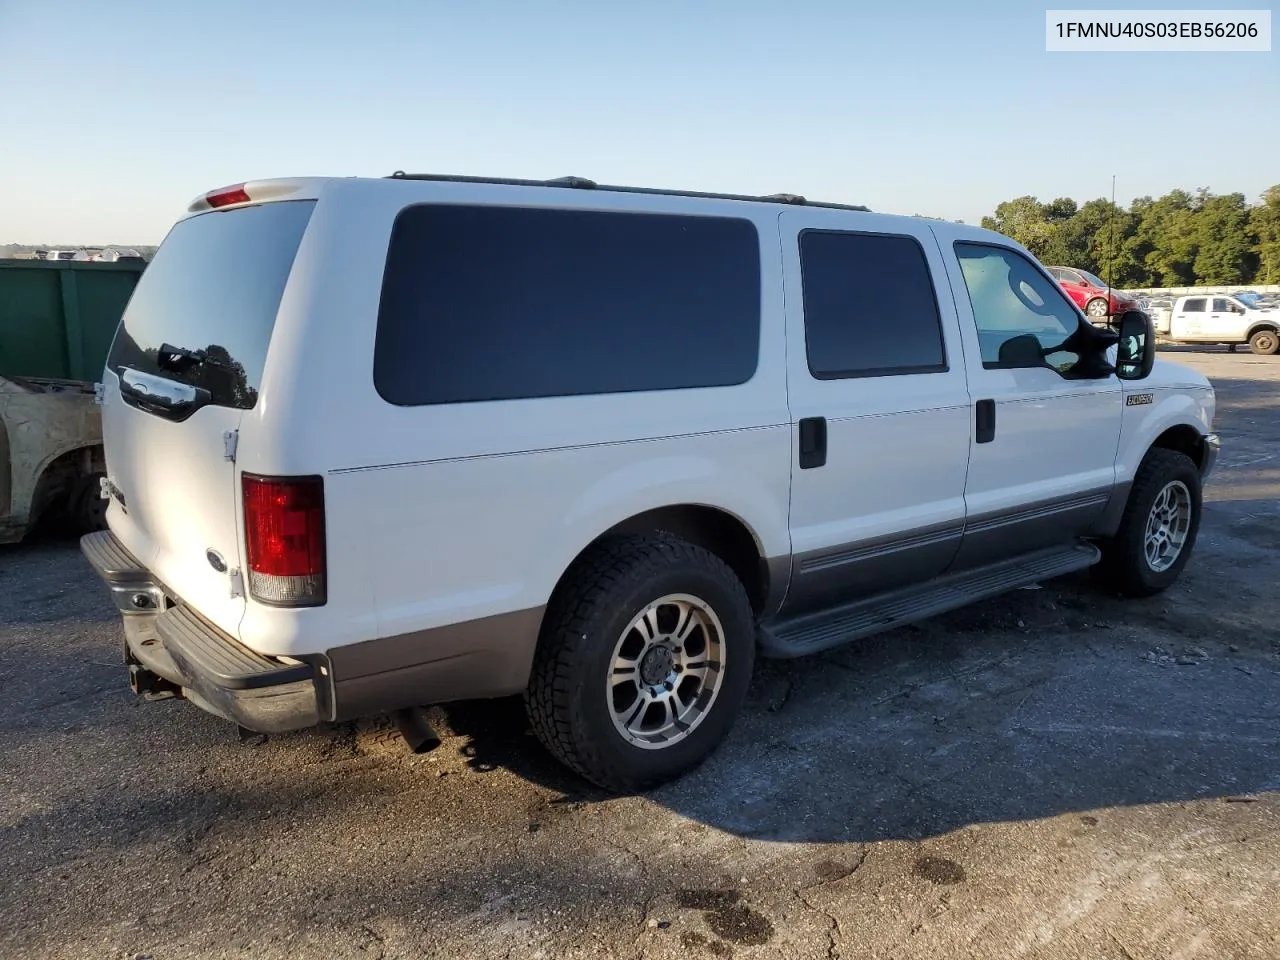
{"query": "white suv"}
pixel 374 444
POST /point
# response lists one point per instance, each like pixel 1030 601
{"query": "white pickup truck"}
pixel 1221 319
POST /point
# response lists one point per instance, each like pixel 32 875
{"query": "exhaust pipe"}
pixel 416 729
pixel 151 686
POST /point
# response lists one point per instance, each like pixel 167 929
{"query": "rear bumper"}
pixel 214 671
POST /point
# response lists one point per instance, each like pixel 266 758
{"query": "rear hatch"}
pixel 185 367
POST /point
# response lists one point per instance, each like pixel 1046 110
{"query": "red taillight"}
pixel 284 539
pixel 227 196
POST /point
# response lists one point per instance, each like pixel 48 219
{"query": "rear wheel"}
pixel 1264 342
pixel 643 663
pixel 1159 527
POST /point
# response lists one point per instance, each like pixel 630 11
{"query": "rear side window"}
pixel 1194 306
pixel 499 303
pixel 212 293
pixel 869 306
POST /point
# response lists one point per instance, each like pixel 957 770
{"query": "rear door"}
pixel 1188 319
pixel 880 409
pixel 185 367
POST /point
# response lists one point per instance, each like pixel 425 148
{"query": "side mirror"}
pixel 1136 354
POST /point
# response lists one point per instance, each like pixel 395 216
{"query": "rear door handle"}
pixel 813 442
pixel 985 412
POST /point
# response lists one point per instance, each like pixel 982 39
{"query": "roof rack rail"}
pixel 582 183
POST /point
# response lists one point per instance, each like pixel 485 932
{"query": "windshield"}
pixel 1097 282
pixel 209 299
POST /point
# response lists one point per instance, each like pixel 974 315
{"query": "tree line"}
pixel 1180 239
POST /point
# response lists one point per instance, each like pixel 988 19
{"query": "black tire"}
pixel 1096 309
pixel 1264 343
pixel 1124 566
pixel 88 511
pixel 601 594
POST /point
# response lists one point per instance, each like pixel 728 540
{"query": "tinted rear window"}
pixel 498 303
pixel 1193 306
pixel 214 286
pixel 869 306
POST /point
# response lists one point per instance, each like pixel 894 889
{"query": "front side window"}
pixel 1222 305
pixel 1194 306
pixel 501 303
pixel 1095 281
pixel 1023 318
pixel 869 306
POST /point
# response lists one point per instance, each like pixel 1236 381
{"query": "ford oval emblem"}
pixel 216 561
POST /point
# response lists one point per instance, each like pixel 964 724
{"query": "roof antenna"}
pixel 1111 245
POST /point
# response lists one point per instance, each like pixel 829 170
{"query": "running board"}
pixel 831 628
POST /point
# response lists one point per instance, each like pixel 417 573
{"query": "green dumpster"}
pixel 57 320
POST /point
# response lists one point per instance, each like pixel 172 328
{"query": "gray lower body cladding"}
pixel 828 578
pixel 489 657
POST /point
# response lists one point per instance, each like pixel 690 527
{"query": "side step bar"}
pixel 814 632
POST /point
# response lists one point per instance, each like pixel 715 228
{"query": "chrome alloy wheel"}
pixel 667 668
pixel 1167 526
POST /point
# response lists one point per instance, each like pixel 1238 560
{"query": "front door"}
pixel 1042 465
pixel 1224 320
pixel 879 406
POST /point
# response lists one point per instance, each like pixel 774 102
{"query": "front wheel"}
pixel 1158 529
pixel 1097 309
pixel 1264 342
pixel 643 663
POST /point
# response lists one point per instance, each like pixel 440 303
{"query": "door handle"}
pixel 813 442
pixel 986 421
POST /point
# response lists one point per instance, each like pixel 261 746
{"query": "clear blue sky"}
pixel 114 115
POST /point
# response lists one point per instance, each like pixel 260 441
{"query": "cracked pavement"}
pixel 1057 773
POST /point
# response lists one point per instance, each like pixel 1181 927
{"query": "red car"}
pixel 1090 294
